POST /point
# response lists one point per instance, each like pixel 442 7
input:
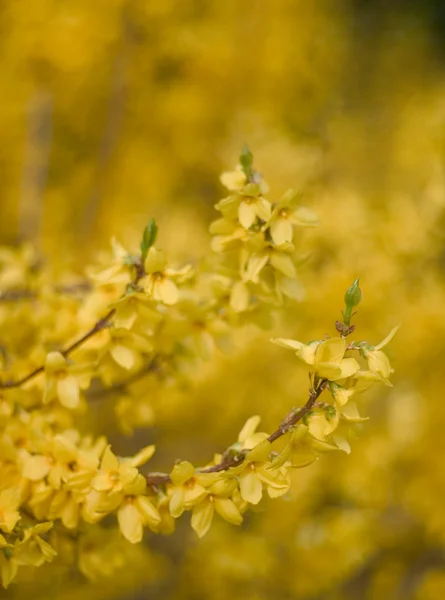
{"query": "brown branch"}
pixel 101 324
pixel 230 460
pixel 26 294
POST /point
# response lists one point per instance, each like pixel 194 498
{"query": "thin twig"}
pixel 230 460
pixel 98 326
pixel 101 324
pixel 26 294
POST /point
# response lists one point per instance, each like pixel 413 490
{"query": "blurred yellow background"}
pixel 114 112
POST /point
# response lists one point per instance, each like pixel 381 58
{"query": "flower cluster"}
pixel 135 317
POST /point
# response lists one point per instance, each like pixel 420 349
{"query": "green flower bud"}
pixel 246 161
pixel 149 237
pixel 353 295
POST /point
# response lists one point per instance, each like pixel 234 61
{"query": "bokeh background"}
pixel 115 111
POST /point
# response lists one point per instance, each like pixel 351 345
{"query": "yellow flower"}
pixel 298 452
pixel 71 465
pixel 285 215
pixel 65 506
pixel 8 568
pixel 126 347
pixel 234 180
pixel 63 381
pixel 321 423
pixel 167 524
pixel 218 499
pixel 251 208
pixel 186 489
pixel 32 549
pixel 119 270
pixel 227 234
pixel 378 362
pixel 324 358
pixel 9 504
pixel 134 513
pixel 132 306
pixel 254 473
pixel 247 205
pixel 158 281
pixel 116 474
pixel 341 394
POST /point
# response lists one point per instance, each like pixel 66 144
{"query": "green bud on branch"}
pixel 353 297
pixel 148 238
pixel 246 161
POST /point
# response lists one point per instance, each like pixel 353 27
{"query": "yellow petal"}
pixel 274 481
pixel 182 471
pixel 8 570
pixel 70 515
pixel 351 414
pixel 177 505
pixel 250 486
pixel 155 261
pixel 281 231
pixel 130 522
pixel 260 452
pixel 348 366
pixel 109 461
pixel 143 456
pixel 123 356
pixel 149 513
pixel 224 487
pixel 363 380
pixel 233 180
pixel 308 353
pixel 202 517
pixel 282 458
pixel 263 209
pixel 102 482
pixel 249 428
pixel 379 363
pixel 330 371
pixel 68 391
pixel 222 227
pixel 128 475
pixel 342 444
pixel 239 297
pixel 331 351
pixel 292 288
pixel 254 266
pixel 342 395
pixel 304 216
pixel 193 495
pixel 55 361
pixel 301 458
pixel 227 510
pixel 283 263
pixel 289 344
pixel 246 214
pixel 48 551
pixel 166 291
pixel 36 467
pixel 388 338
pixel 320 426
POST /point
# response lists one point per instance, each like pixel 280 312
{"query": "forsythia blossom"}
pixel 155 323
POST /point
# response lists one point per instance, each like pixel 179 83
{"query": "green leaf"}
pixel 149 237
pixel 353 295
pixel 246 160
pixel 330 412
